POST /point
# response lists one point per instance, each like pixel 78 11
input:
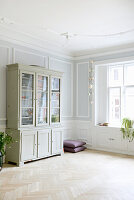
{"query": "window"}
pixel 121 92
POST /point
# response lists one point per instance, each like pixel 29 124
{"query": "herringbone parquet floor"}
pixel 88 175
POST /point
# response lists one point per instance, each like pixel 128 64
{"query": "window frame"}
pixel 122 87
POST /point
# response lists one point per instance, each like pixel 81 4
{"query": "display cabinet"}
pixel 33 112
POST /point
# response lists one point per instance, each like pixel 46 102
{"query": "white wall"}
pixel 101 95
pixel 82 105
pixel 4 60
pixel 101 138
pixel 11 53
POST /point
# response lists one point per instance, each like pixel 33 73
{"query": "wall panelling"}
pixel 67 84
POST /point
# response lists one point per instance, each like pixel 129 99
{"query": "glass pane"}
pixel 55 99
pixel 27 99
pixel 42 99
pixel 27 81
pixel 42 96
pixel 42 83
pixel 55 84
pixel 114 104
pixel 27 116
pixel 55 96
pixel 129 74
pixel 129 108
pixel 42 116
pixel 115 76
pixel 55 104
pixel 55 115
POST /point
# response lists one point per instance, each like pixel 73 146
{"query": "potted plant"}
pixel 4 140
pixel 127 129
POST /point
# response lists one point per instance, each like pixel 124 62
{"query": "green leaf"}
pixel 5 139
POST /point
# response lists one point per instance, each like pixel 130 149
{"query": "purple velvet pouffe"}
pixel 74 146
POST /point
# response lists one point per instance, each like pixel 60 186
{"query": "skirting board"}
pixel 111 151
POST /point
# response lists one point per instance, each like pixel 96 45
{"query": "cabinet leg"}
pixel 62 153
pixel 6 161
pixel 20 164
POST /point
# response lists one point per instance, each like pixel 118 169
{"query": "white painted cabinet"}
pixel 111 139
pixel 34 112
pixel 40 144
pixel 29 145
pixel 108 139
pixel 44 143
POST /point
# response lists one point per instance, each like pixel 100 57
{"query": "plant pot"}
pixel 1 160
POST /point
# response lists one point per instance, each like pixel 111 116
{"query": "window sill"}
pixel 110 126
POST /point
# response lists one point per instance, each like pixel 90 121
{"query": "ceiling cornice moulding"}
pixel 35 43
pixel 27 40
pixel 103 52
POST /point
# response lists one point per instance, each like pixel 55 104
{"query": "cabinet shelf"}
pixel 42 107
pixel 26 107
pixel 23 99
pixel 29 90
pixel 41 80
pixel 42 91
pixel 55 108
pixel 52 91
pixel 27 78
pixel 25 117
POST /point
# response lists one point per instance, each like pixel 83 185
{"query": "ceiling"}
pixel 47 20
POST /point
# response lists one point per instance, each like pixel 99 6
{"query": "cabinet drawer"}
pixel 109 140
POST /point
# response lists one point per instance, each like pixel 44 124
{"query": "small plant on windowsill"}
pixel 127 129
pixel 5 139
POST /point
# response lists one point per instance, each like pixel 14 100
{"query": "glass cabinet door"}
pixel 55 100
pixel 42 100
pixel 27 99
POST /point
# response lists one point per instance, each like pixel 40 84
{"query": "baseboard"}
pixel 111 151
